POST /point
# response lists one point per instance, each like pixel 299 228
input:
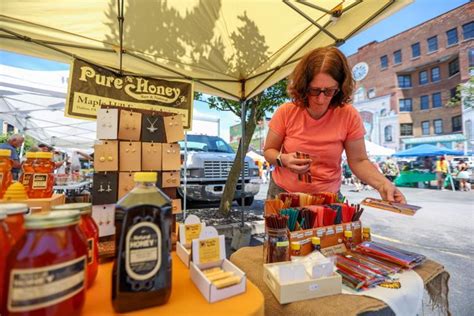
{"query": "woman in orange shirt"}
pixel 320 122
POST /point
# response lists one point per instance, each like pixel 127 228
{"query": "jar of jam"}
pixel 45 273
pixel 15 220
pixel 91 232
pixel 42 180
pixel 5 246
pixel 27 171
pixel 5 171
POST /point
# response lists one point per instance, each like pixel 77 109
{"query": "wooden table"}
pixel 250 260
pixel 185 297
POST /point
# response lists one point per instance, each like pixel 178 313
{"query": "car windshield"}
pixel 207 144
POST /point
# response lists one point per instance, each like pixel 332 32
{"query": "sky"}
pixel 416 13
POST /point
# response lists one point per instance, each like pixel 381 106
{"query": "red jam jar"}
pixel 46 269
pixel 15 219
pixel 42 180
pixel 5 171
pixel 91 231
pixel 27 171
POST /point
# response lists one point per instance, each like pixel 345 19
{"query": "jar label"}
pixel 40 181
pixel 209 250
pixel 35 288
pixel 192 231
pixel 26 179
pixel 143 249
pixel 90 251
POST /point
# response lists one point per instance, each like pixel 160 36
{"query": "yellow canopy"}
pixel 230 48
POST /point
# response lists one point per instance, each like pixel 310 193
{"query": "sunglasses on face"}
pixel 328 92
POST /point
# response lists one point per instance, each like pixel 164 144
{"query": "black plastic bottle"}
pixel 142 269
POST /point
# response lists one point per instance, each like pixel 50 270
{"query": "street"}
pixel 442 230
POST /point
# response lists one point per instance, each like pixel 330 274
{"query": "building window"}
pixel 424 102
pixel 387 132
pixel 404 81
pixel 371 93
pixel 406 129
pixel 405 105
pixel 384 62
pixel 397 57
pixel 438 126
pixel 468 30
pixel 452 36
pixel 423 77
pixel 415 50
pixel 10 129
pixel 454 67
pixel 436 100
pixel 425 128
pixel 453 94
pixel 435 75
pixel 457 123
pixel 432 44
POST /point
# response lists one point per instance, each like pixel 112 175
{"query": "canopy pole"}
pixel 120 19
pixel 185 177
pixel 242 149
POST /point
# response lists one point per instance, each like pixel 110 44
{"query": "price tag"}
pixel 320 232
pixel 339 229
pixel 192 231
pixel 209 250
pixel 329 231
pixel 308 233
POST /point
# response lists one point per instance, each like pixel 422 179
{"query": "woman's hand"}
pixel 389 192
pixel 294 164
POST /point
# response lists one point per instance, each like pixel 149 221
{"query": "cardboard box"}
pixel 183 254
pixel 207 289
pixel 191 229
pixel 289 292
pixel 41 205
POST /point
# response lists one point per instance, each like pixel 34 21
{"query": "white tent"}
pixel 376 150
pixel 256 157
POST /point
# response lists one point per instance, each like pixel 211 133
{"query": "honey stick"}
pixel 226 282
pixel 220 276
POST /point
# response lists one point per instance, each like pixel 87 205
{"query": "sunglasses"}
pixel 328 92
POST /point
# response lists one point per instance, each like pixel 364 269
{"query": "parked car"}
pixel 209 160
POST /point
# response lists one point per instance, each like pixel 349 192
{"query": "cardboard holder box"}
pixel 300 290
pixel 207 289
pixel 41 205
pixel 331 235
pixel 183 249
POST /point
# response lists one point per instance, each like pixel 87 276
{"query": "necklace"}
pixel 152 127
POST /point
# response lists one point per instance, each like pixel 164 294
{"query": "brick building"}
pixel 404 83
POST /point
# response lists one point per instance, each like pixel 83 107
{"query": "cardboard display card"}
pixel 130 125
pixel 104 188
pixel 170 179
pixel 151 156
pixel 107 123
pixel 130 156
pixel 106 156
pixel 171 157
pixel 153 128
pixel 174 128
pixel 126 183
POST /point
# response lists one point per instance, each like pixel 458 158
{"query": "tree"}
pixel 464 94
pixel 29 141
pixel 256 108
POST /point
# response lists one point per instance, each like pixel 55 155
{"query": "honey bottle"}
pixel 348 240
pixel 141 274
pixel 366 234
pixel 316 242
pixel 42 181
pixel 5 171
pixel 27 171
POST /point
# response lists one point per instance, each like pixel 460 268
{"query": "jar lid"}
pixel 44 220
pixel 5 153
pixel 295 246
pixel 145 177
pixel 44 155
pixel 83 208
pixel 366 229
pixel 31 154
pixel 315 240
pixel 14 208
pixel 3 214
pixel 348 233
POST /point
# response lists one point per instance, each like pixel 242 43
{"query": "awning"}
pixel 434 139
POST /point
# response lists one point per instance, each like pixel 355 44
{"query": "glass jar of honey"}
pixel 91 232
pixel 42 180
pixel 5 171
pixel 15 220
pixel 27 171
pixel 48 264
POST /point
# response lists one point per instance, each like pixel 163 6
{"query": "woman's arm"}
pixel 365 170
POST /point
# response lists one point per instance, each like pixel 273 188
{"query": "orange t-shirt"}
pixel 322 139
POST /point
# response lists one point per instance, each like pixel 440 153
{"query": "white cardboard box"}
pixel 207 289
pixel 183 254
pixel 183 246
pixel 300 290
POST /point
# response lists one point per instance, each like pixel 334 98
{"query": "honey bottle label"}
pixel 143 251
pixel 40 181
pixel 35 288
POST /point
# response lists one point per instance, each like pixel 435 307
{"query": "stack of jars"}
pixel 5 171
pixel 51 255
pixel 37 175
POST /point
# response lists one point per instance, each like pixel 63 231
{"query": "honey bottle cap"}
pixel 316 240
pixel 348 233
pixel 145 177
pixel 295 246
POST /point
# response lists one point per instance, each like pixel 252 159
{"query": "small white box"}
pixel 183 253
pixel 207 289
pixel 183 246
pixel 299 290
